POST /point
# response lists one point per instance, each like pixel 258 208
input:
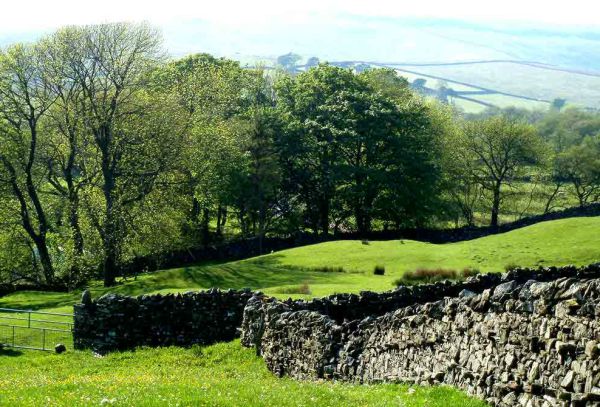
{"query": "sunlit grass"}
pixel 560 242
pixel 219 375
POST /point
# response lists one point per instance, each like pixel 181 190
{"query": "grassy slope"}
pixel 560 242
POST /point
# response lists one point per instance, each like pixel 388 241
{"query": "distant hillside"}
pixel 482 65
pixel 409 40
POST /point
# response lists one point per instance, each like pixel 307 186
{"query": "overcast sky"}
pixel 34 15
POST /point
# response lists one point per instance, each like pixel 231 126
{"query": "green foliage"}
pixel 580 165
pixel 356 146
pixel 289 61
pixel 303 289
pixel 497 151
pixel 424 275
pixel 109 151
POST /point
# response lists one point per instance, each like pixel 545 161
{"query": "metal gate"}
pixel 27 329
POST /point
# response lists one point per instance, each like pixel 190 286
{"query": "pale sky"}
pixel 23 16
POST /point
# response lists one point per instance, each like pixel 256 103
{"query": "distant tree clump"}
pixel 289 61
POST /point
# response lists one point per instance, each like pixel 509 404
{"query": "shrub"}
pixel 327 269
pixel 379 270
pixel 300 289
pixel 469 272
pixel 197 351
pixel 424 275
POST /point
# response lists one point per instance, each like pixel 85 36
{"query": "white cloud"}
pixel 19 16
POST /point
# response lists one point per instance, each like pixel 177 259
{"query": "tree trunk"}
pixel 551 198
pixel 110 266
pixel 45 259
pixel 324 216
pixel 262 220
pixel 109 238
pixel 77 237
pixel 38 237
pixel 205 225
pixel 195 212
pixel 219 216
pixel 223 219
pixel 495 206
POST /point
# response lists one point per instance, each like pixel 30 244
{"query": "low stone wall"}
pixel 116 322
pixel 528 337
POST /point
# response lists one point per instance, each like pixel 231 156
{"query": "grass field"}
pixel 559 242
pixel 228 375
pixel 535 82
pixel 219 375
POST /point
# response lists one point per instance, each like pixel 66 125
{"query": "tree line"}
pixel 110 150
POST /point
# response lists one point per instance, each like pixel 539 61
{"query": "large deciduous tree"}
pixel 356 146
pixel 24 99
pixel 112 63
pixel 502 149
pixel 580 165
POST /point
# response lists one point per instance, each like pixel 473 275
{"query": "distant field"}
pixel 535 82
pixel 504 101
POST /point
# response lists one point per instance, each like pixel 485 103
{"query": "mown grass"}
pixel 219 375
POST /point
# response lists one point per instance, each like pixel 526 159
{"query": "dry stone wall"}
pixel 116 322
pixel 526 338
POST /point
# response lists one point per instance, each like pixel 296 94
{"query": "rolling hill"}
pixel 316 267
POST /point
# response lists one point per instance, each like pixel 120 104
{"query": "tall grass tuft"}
pixel 425 275
pixel 303 288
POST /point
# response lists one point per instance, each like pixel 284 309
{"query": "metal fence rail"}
pixel 27 329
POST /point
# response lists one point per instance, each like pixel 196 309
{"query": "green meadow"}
pixel 227 374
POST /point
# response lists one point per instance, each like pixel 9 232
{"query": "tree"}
pixel 24 99
pixel 255 188
pixel 213 92
pixel 502 149
pixel 580 165
pixel 309 146
pixel 461 192
pixel 568 127
pixel 356 146
pixel 289 61
pixel 111 63
pixel 558 104
pixel 394 150
pixel 312 62
pixel 68 147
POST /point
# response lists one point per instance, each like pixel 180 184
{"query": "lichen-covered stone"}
pixel 116 322
pixel 526 338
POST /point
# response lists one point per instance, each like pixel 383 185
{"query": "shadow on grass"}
pixel 10 352
pixel 256 274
